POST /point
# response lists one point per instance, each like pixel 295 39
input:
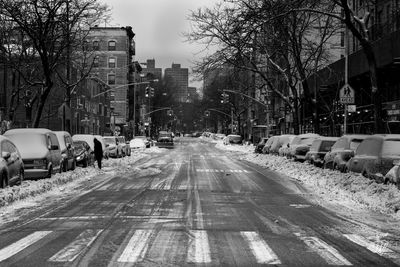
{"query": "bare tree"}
pixel 54 28
pixel 255 36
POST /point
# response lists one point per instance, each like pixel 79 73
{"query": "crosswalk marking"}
pixel 328 253
pixel 72 251
pixel 218 170
pixel 22 244
pixel 260 249
pixel 199 249
pixel 137 247
pixel 380 249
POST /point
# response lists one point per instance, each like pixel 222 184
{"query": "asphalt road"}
pixel 192 205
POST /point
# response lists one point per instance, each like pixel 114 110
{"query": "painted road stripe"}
pixel 137 247
pixel 379 248
pixel 72 251
pixel 22 244
pixel 199 249
pixel 260 249
pixel 328 253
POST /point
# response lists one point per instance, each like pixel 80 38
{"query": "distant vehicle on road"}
pixel 39 149
pixel 318 150
pixel 145 139
pixel 342 151
pixel 11 164
pixel 137 143
pixel 301 145
pixel 279 142
pixel 165 139
pixel 268 144
pixel 375 156
pixel 67 150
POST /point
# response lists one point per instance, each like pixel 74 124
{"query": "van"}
pixel 40 151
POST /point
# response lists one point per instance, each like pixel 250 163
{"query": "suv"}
pixel 40 151
pixel 165 139
pixel 376 155
pixel 67 150
pixel 318 150
pixel 113 145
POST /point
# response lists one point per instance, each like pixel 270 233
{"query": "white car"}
pixel 137 143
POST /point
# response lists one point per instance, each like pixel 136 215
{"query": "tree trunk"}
pixel 42 102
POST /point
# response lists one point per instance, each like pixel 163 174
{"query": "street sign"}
pixel 346 94
pixel 351 108
pixel 64 110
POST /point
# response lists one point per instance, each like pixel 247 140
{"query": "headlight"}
pixel 80 157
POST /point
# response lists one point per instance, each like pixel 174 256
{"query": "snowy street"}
pixel 200 203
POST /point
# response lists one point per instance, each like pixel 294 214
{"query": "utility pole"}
pixel 65 122
pixel 346 75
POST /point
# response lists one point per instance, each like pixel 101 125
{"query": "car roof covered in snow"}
pixel 27 131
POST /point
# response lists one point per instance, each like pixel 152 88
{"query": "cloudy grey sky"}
pixel 158 25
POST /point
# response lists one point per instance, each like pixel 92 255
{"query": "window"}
pixel 111 46
pixel 96 62
pixel 96 45
pixel 111 79
pixel 111 62
pixel 342 35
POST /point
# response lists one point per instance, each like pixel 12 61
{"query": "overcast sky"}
pixel 158 25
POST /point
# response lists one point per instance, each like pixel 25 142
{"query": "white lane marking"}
pixel 74 249
pixel 199 249
pixel 378 248
pixel 199 212
pixel 260 249
pixel 300 206
pixel 328 253
pixel 22 244
pixel 137 247
pixel 246 171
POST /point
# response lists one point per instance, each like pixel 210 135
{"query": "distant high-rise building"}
pixel 150 71
pixel 180 76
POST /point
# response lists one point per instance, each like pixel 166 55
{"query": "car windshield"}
pixel 306 141
pixel 33 142
pixel 78 145
pixel 355 143
pixel 326 145
pixel 391 148
pixel 109 140
pixel 235 137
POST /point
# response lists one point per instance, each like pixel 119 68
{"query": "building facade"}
pixel 180 76
pixel 114 49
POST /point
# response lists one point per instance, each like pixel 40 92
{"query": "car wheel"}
pixel 85 163
pixel 65 166
pixel 21 176
pixel 4 180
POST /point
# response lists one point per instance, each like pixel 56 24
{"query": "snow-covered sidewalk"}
pixel 351 190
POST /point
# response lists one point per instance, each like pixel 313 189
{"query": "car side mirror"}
pixel 5 155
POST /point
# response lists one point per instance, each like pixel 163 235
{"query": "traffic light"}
pixel 147 92
pixel 151 92
pixel 170 112
pixel 207 113
pixel 224 98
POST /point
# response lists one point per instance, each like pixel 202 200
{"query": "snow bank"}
pixel 32 188
pixel 348 189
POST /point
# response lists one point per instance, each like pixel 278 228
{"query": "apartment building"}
pixel 180 76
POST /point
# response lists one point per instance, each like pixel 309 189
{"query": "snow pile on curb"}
pixel 31 188
pixel 349 189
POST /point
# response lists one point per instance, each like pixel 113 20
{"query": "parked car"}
pixel 114 147
pixel 285 148
pixel 375 156
pixel 318 150
pixel 84 155
pixel 11 164
pixel 103 146
pixel 393 175
pixel 137 143
pixel 165 139
pixel 126 150
pixel 260 145
pixel 39 149
pixel 279 142
pixel 342 151
pixel 147 141
pixel 268 144
pixel 233 139
pixel 67 150
pixel 301 145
